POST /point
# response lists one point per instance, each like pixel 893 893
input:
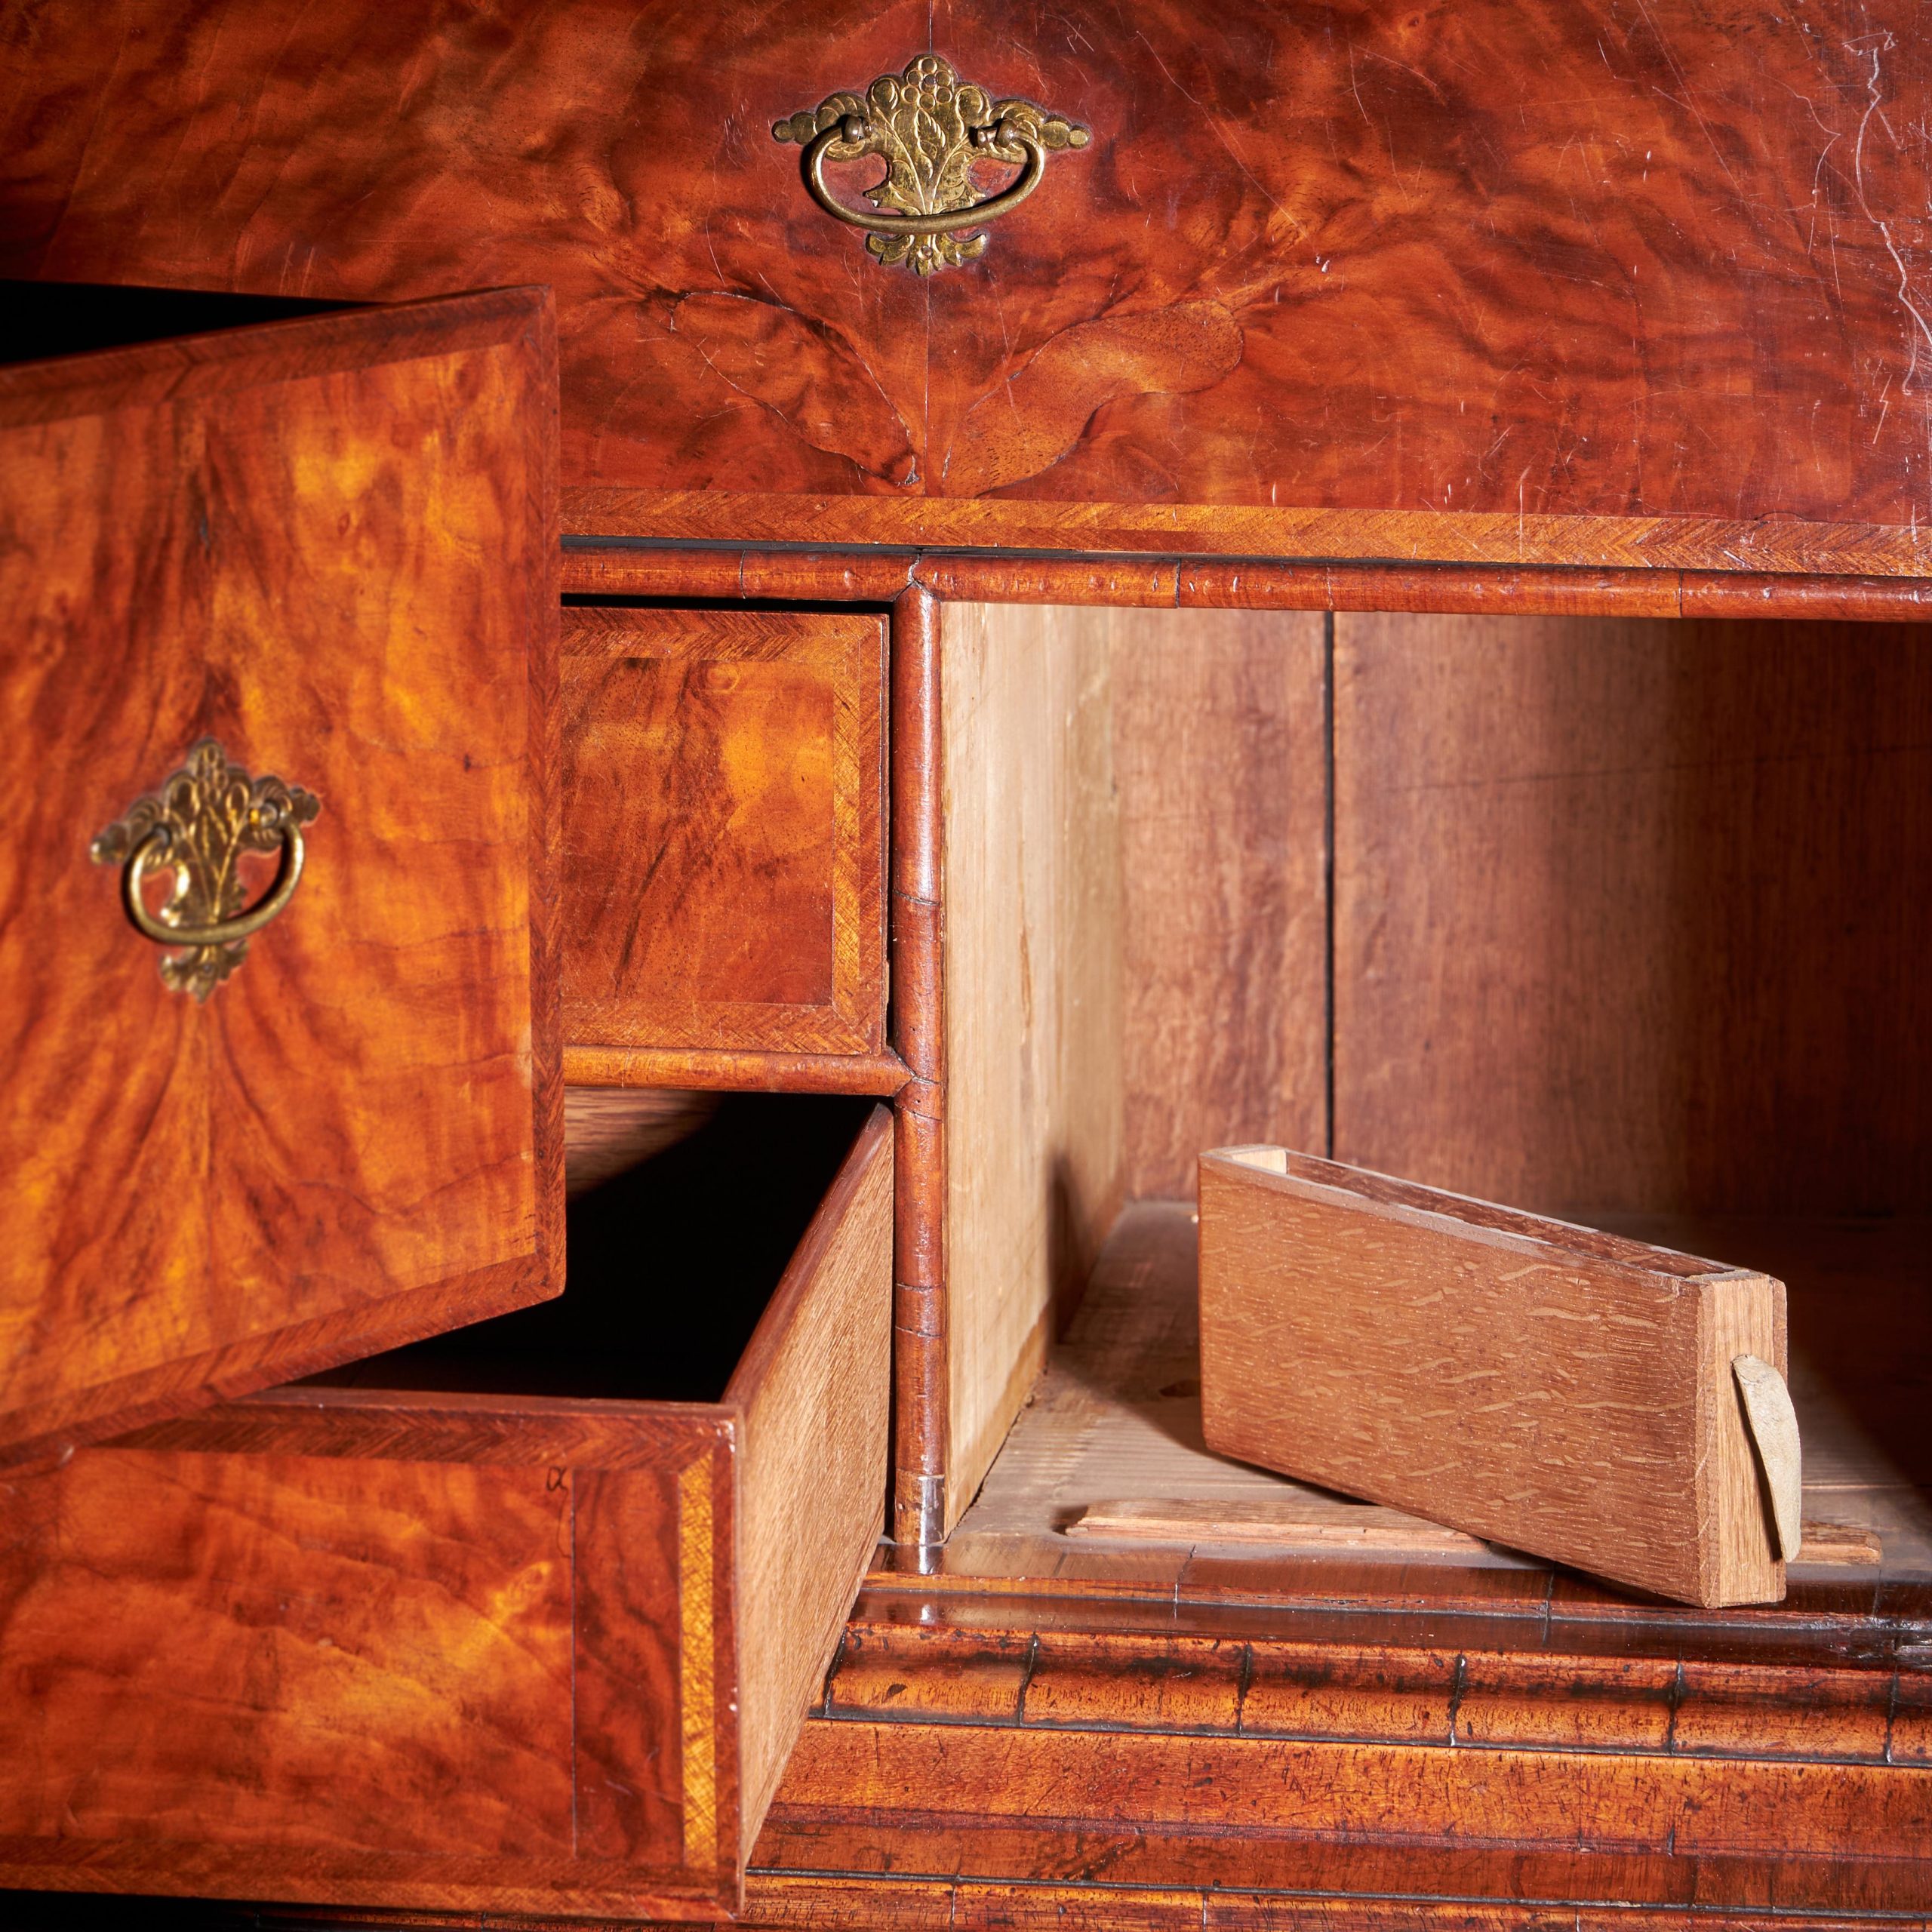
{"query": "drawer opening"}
pixel 669 1261
pixel 1618 921
pixel 39 320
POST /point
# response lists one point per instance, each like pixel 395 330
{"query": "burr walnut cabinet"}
pixel 1047 589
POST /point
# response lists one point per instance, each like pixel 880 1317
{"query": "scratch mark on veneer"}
pixel 1873 46
pixel 1026 1678
pixel 1213 125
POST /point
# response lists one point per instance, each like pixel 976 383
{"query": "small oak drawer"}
pixel 723 829
pixel 523 1618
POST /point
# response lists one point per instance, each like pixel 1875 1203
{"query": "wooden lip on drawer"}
pixel 442 1646
pixel 723 789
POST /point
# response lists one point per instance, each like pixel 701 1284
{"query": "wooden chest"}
pixel 1133 580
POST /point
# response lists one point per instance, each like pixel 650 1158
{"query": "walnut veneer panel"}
pixel 396 1650
pixel 209 1638
pixel 1508 280
pixel 1631 915
pixel 723 830
pixel 331 544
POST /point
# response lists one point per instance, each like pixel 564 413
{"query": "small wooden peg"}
pixel 1773 1424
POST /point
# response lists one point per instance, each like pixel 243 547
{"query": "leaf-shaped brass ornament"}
pixel 197 826
pixel 930 128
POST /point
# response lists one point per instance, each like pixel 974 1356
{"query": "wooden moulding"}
pixel 724 1071
pixel 1556 1390
pixel 916 925
pixel 647 567
pixel 1396 538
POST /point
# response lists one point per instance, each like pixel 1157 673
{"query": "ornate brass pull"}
pixel 929 128
pixel 200 823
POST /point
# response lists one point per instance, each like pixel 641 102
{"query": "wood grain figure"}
pixel 1572 357
pixel 1510 282
pixel 1554 1389
pixel 454 1650
pixel 723 830
pixel 328 544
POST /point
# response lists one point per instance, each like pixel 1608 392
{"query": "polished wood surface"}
pixel 594 567
pixel 1557 1391
pixel 454 1648
pixel 361 1674
pixel 331 544
pixel 922 1359
pixel 1362 1753
pixel 264 1655
pixel 1106 1756
pixel 1512 282
pixel 1630 916
pixel 723 830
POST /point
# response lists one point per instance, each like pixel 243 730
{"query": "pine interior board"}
pixel 1036 1095
pixel 1630 915
pixel 812 1498
pixel 1117 1415
pixel 1562 1391
pixel 1220 757
pixel 1116 1418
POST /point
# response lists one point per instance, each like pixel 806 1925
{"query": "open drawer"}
pixel 525 1617
pixel 282 1065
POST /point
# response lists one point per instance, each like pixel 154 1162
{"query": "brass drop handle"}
pixel 155 849
pixel 928 127
pixel 854 132
pixel 200 823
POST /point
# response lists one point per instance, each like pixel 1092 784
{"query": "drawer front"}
pixel 1309 267
pixel 324 550
pixel 723 830
pixel 478 1652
